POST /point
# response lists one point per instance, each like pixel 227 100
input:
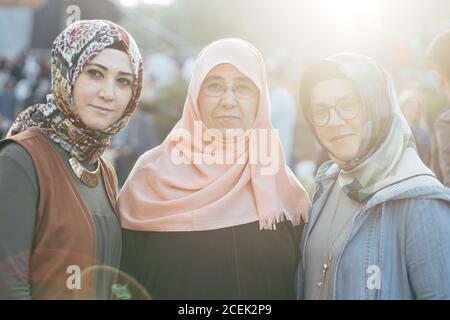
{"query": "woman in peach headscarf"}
pixel 213 212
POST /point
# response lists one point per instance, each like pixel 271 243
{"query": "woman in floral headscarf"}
pixel 380 221
pixel 59 230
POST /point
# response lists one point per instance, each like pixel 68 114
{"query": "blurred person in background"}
pixel 379 227
pixel 138 136
pixel 412 104
pixel 8 103
pixel 283 110
pixel 4 73
pixel 439 55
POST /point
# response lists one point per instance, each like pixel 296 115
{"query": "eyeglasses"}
pixel 346 110
pixel 218 89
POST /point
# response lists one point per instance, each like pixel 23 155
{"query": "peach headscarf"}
pixel 165 195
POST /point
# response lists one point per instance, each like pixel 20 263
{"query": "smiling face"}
pixel 340 137
pixel 228 99
pixel 103 89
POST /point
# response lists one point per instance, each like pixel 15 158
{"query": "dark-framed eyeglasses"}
pixel 218 88
pixel 320 115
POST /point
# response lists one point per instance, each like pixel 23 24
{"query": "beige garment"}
pixel 329 233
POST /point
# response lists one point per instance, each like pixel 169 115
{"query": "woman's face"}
pixel 103 89
pixel 336 100
pixel 228 99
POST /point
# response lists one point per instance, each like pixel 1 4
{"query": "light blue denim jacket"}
pixel 398 246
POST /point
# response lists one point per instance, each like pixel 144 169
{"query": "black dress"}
pixel 240 262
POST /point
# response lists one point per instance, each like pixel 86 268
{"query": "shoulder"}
pixel 28 145
pixel 419 206
pixel 423 215
pixel 16 162
pixel 14 152
pixel 416 198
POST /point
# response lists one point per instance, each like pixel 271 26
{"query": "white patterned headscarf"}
pixel 387 153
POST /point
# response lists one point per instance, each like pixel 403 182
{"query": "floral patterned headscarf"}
pixel 72 49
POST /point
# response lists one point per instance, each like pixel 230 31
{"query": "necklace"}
pixel 89 178
pixel 331 246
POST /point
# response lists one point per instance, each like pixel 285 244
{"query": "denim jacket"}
pixel 398 246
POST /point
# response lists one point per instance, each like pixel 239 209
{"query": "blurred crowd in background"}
pixel 291 34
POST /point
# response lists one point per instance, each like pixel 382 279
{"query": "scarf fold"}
pixel 177 186
pixel 72 49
